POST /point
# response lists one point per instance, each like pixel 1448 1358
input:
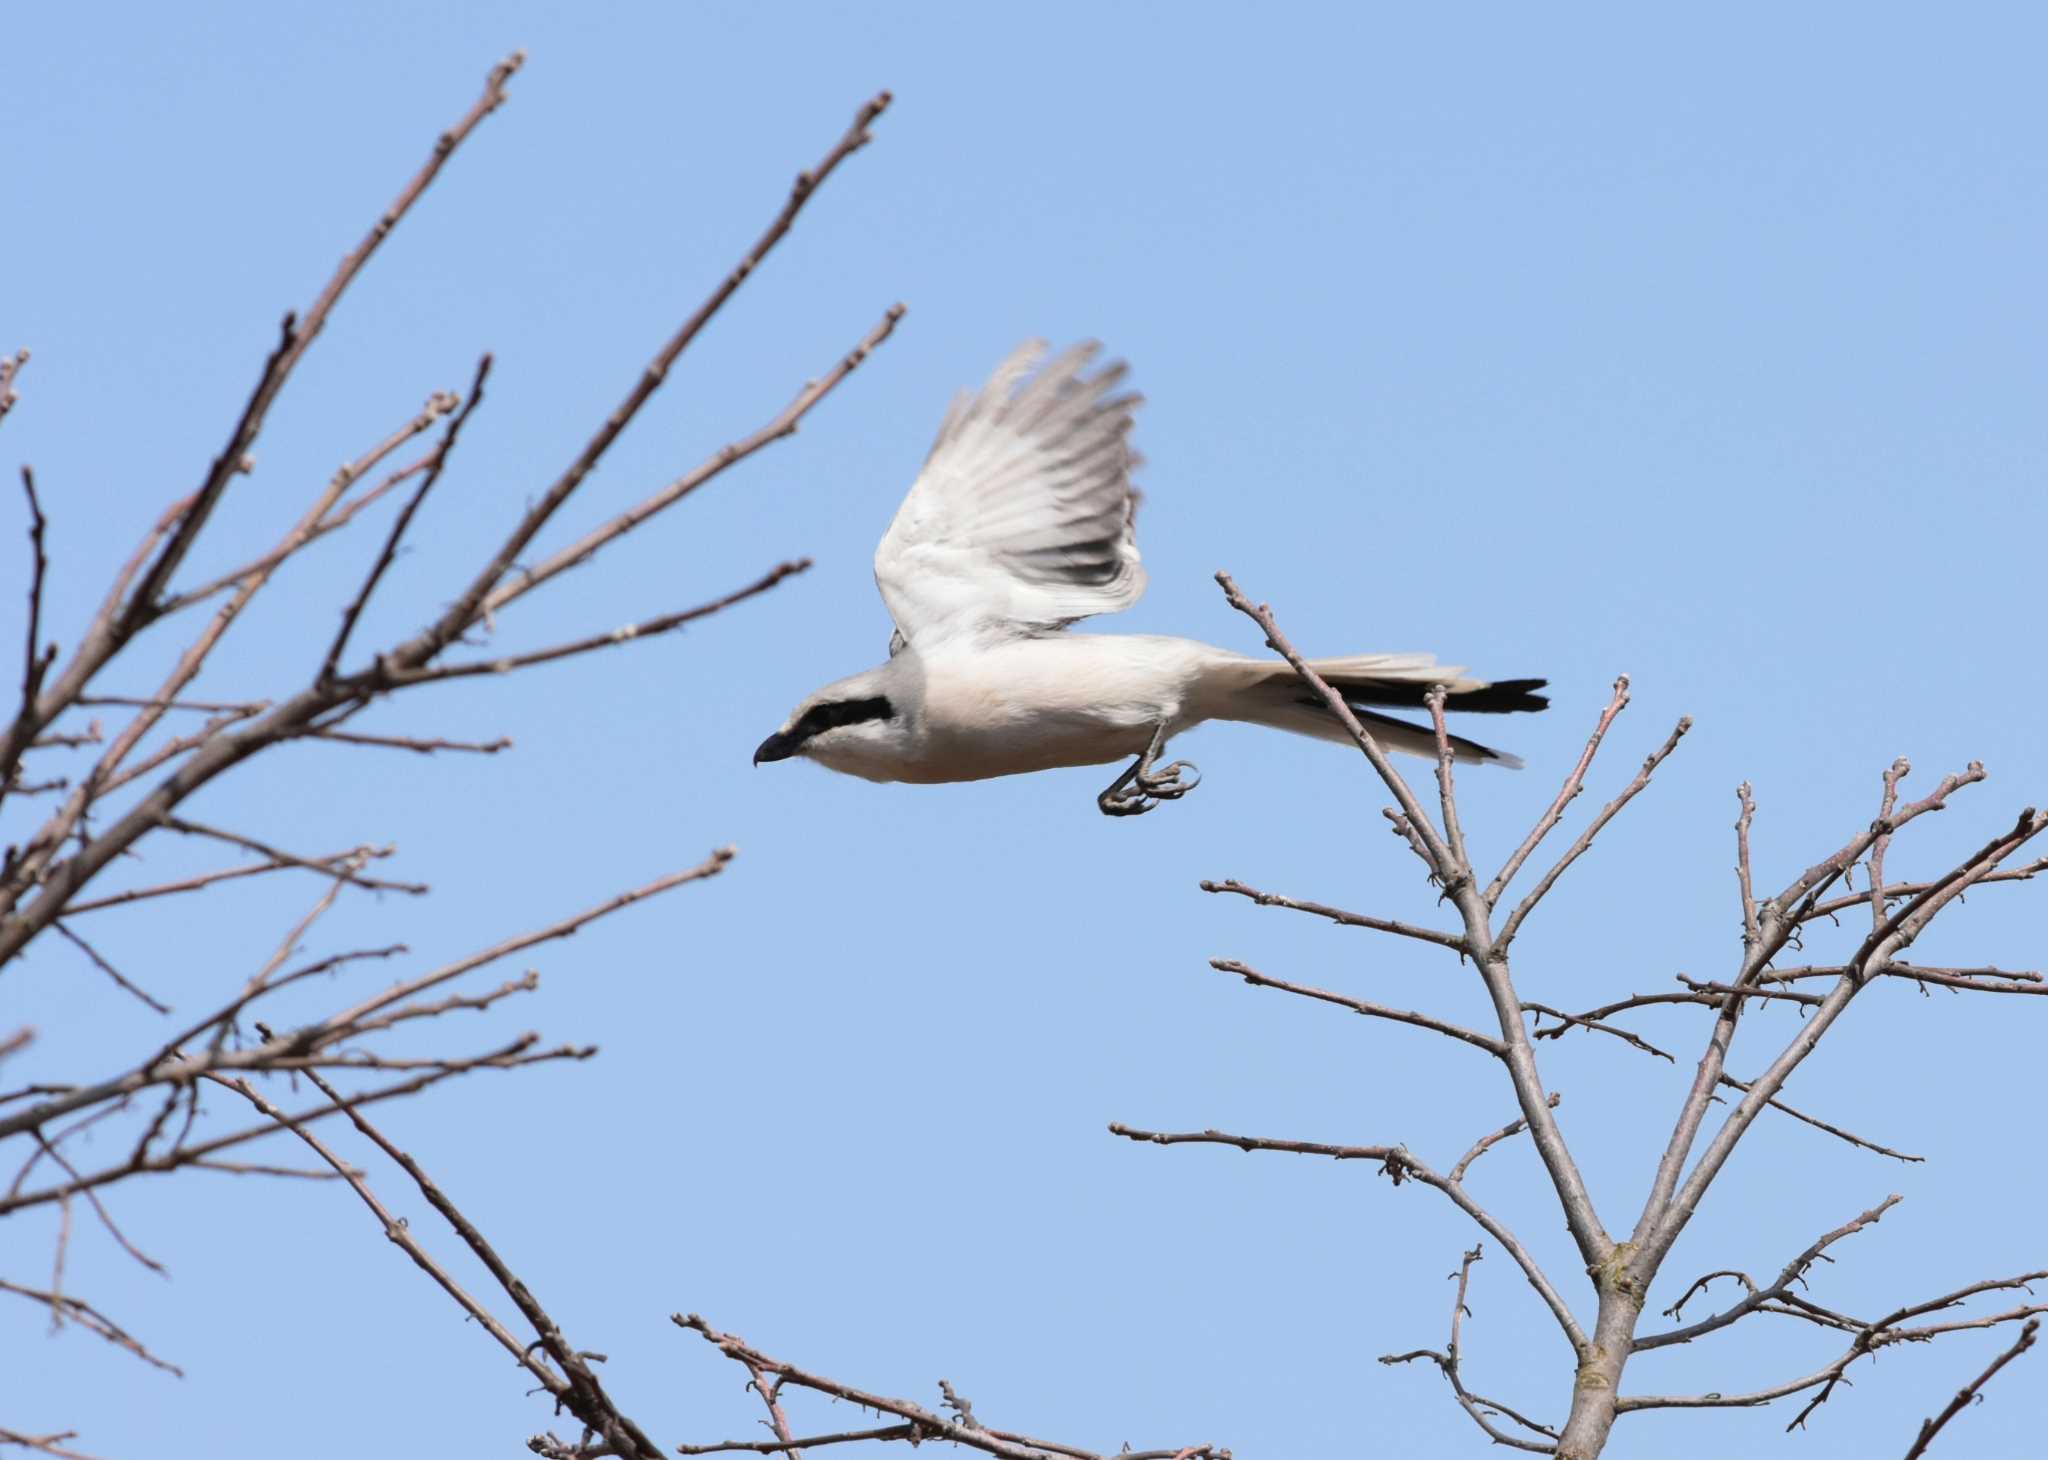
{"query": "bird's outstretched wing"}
pixel 1021 521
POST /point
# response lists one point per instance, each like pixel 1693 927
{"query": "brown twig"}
pixel 923 1424
pixel 167 1066
pixel 298 336
pixel 577 1387
pixel 1488 955
pixel 11 367
pixel 479 596
pixel 51 1445
pixel 1339 915
pixel 100 962
pixel 1969 1393
pixel 1446 780
pixel 647 629
pixel 1578 848
pixel 1398 1164
pixel 1487 1142
pixel 1898 890
pixel 1442 864
pixel 783 424
pixel 1569 792
pixel 124 614
pixel 35 661
pixel 91 1319
pixel 436 463
pixel 182 1156
pixel 1448 1364
pixel 1869 1338
pixel 1363 1006
pixel 346 865
pixel 422 746
pixel 1756 1298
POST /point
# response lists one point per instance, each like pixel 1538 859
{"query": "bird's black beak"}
pixel 776 747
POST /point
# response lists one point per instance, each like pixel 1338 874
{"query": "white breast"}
pixel 1062 700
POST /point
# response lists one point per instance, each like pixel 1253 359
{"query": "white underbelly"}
pixel 1045 743
pixel 1038 704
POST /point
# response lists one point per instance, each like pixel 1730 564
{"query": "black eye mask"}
pixel 819 718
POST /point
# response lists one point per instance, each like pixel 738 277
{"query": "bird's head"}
pixel 856 725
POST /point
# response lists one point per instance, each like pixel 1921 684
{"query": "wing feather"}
pixel 1021 520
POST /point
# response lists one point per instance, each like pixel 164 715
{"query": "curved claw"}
pixel 1124 803
pixel 1167 784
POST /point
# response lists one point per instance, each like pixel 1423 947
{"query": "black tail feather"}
pixel 1469 748
pixel 1502 697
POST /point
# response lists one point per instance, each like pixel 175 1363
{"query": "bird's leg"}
pixel 1151 786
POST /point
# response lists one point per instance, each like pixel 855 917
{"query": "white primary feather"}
pixel 1021 520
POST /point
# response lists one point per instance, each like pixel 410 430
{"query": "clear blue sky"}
pixel 1711 349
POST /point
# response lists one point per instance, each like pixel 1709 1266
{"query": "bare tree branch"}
pixel 1792 1273
pixel 100 962
pixel 1869 1339
pixel 91 1319
pixel 923 1424
pixel 1448 1363
pixel 1969 1393
pixel 436 463
pixel 648 629
pixel 1338 915
pixel 1578 848
pixel 1573 785
pixel 1362 1006
pixel 1397 1164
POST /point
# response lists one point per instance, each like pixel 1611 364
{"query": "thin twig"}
pixel 1969 1392
pixel 35 662
pixel 1487 1142
pixel 481 595
pixel 1569 792
pixel 924 1424
pixel 1363 1006
pixel 90 1318
pixel 1585 839
pixel 783 424
pixel 1398 1164
pixel 1450 1361
pixel 1446 781
pixel 647 629
pixel 422 746
pixel 1756 1298
pixel 107 968
pixel 298 337
pixel 1339 915
pixel 578 1387
pixel 436 463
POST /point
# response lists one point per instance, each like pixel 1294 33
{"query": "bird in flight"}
pixel 1020 524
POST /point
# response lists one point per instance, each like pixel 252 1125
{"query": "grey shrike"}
pixel 1020 524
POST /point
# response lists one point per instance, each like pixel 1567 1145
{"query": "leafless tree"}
pixel 84 804
pixel 1620 1272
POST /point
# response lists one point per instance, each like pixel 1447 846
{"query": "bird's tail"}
pixel 1260 692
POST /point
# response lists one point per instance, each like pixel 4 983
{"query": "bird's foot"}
pixel 1147 789
pixel 1168 783
pixel 1124 801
